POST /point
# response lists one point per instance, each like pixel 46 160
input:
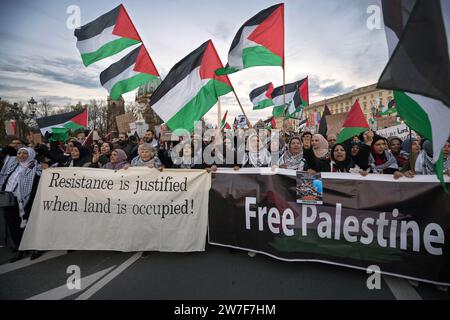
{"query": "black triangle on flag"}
pixel 323 126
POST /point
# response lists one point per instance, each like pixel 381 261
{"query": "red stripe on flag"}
pixel 210 63
pixel 270 33
pixel 145 64
pixel 124 26
pixel 355 117
pixel 81 119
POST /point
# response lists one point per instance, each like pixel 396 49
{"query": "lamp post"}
pixel 31 105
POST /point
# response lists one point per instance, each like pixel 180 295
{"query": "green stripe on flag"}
pixel 130 84
pixel 413 114
pixel 198 106
pixel 348 133
pixel 278 111
pixel 260 56
pixel 263 104
pixel 417 119
pixel 72 126
pixel 109 49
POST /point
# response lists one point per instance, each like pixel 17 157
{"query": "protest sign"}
pixel 401 131
pixel 123 122
pixel 309 188
pixel 402 226
pixel 138 209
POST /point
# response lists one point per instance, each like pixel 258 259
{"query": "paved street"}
pixel 218 273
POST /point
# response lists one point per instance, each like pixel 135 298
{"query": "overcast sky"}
pixel 325 39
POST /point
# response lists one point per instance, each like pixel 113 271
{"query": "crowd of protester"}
pixel 21 162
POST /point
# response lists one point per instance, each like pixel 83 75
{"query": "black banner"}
pixel 402 227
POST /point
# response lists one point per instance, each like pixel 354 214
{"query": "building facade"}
pixel 370 99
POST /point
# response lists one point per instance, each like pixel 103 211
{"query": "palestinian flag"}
pixel 419 69
pixel 262 97
pixel 71 121
pixel 107 35
pixel 224 124
pixel 190 89
pixel 323 126
pixel 296 98
pixel 354 124
pixel 130 72
pixel 259 42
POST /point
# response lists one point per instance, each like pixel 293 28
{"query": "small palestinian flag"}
pixel 224 124
pixel 130 72
pixel 262 97
pixel 190 89
pixel 72 120
pixel 354 124
pixel 296 97
pixel 106 36
pixel 259 42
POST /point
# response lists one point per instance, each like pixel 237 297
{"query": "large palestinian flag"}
pixel 354 124
pixel 190 89
pixel 419 69
pixel 132 71
pixel 72 120
pixel 296 97
pixel 106 36
pixel 259 42
pixel 262 97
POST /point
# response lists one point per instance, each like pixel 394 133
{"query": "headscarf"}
pixel 84 156
pixel 258 158
pixel 406 145
pixel 292 162
pixel 380 162
pixel 322 150
pixel 23 174
pixel 31 156
pixel 362 157
pixel 341 166
pixel 121 160
pixel 424 162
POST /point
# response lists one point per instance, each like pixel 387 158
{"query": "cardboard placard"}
pixel 123 122
pixel 385 122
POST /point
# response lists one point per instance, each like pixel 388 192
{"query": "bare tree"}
pixel 44 108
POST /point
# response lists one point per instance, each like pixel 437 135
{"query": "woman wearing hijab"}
pixel 146 157
pixel 118 160
pixel 317 155
pixel 424 162
pixel 359 153
pixel 340 159
pixel 79 156
pixel 257 155
pixel 381 160
pixel 293 158
pixel 411 147
pixel 20 176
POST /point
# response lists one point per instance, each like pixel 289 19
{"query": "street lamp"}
pixel 32 107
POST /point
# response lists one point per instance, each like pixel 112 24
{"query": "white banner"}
pixel 401 131
pixel 138 209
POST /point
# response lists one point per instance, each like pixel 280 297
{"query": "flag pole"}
pixel 242 109
pixel 219 113
pixel 411 162
pixel 284 95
